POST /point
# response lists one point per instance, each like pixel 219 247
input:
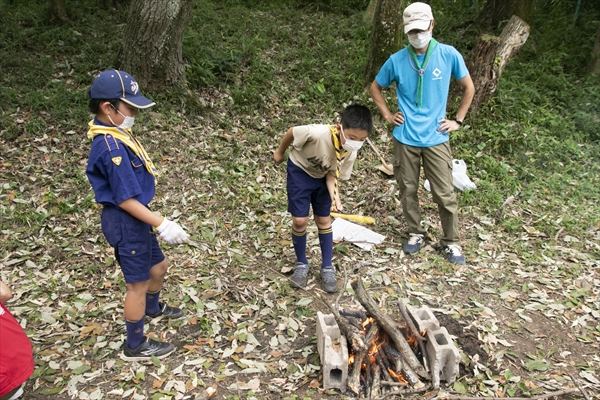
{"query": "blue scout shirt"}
pixel 420 127
pixel 116 173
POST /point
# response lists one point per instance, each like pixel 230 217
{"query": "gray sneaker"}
pixel 300 276
pixel 328 279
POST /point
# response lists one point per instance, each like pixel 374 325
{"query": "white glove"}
pixel 171 232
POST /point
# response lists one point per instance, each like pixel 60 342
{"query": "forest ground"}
pixel 525 309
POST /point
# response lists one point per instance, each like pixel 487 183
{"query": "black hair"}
pixel 94 104
pixel 357 116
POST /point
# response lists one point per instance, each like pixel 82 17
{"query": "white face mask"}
pixel 350 145
pixel 419 40
pixel 127 121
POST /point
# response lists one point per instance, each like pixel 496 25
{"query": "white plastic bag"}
pixel 460 179
pixel 356 234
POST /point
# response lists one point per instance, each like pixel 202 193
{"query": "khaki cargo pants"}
pixel 437 164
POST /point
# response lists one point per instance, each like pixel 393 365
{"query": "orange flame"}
pixel 396 376
pixel 367 322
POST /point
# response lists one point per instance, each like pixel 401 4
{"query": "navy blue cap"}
pixel 113 84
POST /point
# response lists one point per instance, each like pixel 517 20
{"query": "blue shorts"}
pixel 136 247
pixel 303 191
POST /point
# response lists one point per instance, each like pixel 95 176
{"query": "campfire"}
pixel 400 353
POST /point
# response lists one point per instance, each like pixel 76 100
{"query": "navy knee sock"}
pixel 135 333
pixel 299 241
pixel 152 306
pixel 326 243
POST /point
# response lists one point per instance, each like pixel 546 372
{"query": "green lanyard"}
pixel 421 67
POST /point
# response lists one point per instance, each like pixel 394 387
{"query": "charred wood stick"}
pixel 387 362
pixel 414 330
pixel 353 313
pixel 380 361
pixel 393 383
pixel 355 322
pixel 354 377
pixel 402 392
pixel 376 382
pixel 394 358
pixel 411 375
pixel 389 327
pixel 368 376
pixel 359 358
pixel 353 334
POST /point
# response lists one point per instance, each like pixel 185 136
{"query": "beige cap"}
pixel 417 16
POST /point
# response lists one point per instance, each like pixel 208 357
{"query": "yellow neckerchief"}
pixel 125 136
pixel 340 154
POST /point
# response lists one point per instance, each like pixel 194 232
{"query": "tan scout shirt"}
pixel 313 151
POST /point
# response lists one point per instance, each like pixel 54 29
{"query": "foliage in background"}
pixel 254 69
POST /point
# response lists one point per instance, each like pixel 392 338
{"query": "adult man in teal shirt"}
pixel 422 73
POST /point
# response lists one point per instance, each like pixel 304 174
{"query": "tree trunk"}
pixel 495 12
pixel 386 34
pixel 490 56
pixel 152 46
pixel 595 64
pixel 58 11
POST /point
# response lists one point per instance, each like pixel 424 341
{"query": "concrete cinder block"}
pixel 423 318
pixel 335 365
pixel 326 326
pixel 442 356
pixel 333 352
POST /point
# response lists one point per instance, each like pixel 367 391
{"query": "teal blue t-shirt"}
pixel 420 127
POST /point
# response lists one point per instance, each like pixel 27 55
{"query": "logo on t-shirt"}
pixel 437 74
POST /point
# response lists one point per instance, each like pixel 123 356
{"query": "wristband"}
pixel 459 122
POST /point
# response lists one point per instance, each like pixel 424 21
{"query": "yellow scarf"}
pixel 340 154
pixel 125 136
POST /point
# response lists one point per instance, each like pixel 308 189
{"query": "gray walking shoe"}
pixel 414 243
pixel 454 254
pixel 300 276
pixel 328 279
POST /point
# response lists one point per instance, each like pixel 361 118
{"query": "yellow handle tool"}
pixel 359 219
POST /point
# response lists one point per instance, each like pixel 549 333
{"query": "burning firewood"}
pixel 384 354
pixel 411 361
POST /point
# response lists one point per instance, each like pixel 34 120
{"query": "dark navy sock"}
pixel 152 306
pixel 299 241
pixel 135 333
pixel 326 243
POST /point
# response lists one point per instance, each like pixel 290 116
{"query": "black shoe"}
pixel 167 311
pixel 148 349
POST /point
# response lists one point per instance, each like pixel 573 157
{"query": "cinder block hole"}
pixel 335 375
pixel 329 320
pixel 423 315
pixel 441 339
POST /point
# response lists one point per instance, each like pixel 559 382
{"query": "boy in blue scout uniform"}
pixel 422 73
pixel 122 176
pixel 320 154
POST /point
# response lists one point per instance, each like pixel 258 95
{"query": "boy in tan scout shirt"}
pixel 319 155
